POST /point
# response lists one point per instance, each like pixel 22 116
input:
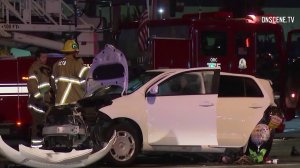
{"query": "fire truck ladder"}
pixel 40 15
pixel 21 20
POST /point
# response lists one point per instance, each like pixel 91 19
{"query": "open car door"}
pixel 184 115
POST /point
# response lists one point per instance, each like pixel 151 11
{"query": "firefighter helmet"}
pixel 70 46
pixel 260 134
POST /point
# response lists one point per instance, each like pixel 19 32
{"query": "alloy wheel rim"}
pixel 124 146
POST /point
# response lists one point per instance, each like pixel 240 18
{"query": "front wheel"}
pixel 126 146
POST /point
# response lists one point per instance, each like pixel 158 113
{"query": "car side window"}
pixel 189 83
pixel 231 86
pixel 235 86
pixel 252 89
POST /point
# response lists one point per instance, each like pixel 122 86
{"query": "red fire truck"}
pixel 239 45
pixel 15 119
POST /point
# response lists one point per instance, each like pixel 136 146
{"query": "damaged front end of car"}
pixel 71 136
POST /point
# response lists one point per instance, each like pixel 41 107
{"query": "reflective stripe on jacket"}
pixel 69 76
pixel 38 85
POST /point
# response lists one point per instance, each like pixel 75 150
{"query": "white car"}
pixel 214 111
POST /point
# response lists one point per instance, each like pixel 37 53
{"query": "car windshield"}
pixel 134 84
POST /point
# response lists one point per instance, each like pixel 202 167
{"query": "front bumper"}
pixel 33 157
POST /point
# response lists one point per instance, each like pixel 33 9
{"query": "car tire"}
pixel 126 147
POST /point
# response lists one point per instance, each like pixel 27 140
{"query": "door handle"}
pixel 255 107
pixel 206 105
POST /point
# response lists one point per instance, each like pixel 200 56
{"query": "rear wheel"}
pixel 126 146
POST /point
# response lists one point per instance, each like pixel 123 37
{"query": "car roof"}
pixel 164 70
pixel 236 74
pixel 174 70
pixel 178 69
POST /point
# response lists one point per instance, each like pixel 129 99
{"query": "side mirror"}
pixel 153 91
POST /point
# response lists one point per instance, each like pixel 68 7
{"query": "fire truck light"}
pixel 25 78
pixel 19 123
pixel 293 95
pixel 161 10
pixel 247 42
pixel 252 19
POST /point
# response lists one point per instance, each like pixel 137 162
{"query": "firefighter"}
pixel 69 75
pixel 39 95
